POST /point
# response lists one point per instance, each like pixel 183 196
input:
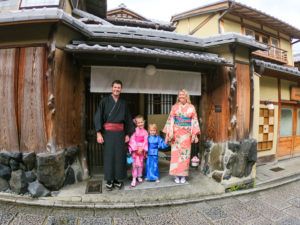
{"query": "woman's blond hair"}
pixel 152 126
pixel 188 99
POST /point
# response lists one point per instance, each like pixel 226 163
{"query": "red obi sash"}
pixel 114 126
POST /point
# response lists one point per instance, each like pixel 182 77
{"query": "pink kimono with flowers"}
pixel 181 126
pixel 139 139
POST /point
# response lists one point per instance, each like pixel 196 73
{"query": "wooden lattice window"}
pixel 266 129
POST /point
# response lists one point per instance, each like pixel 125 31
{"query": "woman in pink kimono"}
pixel 138 147
pixel 182 128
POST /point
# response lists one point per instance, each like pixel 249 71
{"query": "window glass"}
pixel 286 122
pixel 265 40
pixel 298 122
pixel 274 42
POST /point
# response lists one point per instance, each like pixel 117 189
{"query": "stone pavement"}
pixel 200 188
pixel 278 171
pixel 280 205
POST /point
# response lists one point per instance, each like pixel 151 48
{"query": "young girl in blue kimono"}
pixel 155 142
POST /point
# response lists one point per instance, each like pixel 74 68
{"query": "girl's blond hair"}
pixel 188 99
pixel 152 126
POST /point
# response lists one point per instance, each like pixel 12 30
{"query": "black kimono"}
pixel 110 111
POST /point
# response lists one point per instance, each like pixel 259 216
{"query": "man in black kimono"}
pixel 113 125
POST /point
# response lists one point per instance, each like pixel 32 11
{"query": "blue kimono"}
pixel 155 142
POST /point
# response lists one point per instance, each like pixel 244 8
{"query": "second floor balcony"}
pixel 273 53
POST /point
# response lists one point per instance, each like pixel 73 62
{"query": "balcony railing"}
pixel 273 53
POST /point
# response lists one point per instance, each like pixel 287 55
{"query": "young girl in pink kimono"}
pixel 138 147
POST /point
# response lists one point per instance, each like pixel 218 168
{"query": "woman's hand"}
pixel 166 139
pixel 195 139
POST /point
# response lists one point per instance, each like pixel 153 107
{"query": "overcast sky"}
pixel 286 10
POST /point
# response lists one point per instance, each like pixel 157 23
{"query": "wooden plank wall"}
pixel 243 101
pixel 8 121
pixel 215 124
pixel 30 100
pixel 69 97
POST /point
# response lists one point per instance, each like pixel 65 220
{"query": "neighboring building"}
pixel 123 16
pixel 58 60
pixel 275 108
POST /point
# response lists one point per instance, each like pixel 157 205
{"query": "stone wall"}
pixel 39 174
pixel 231 163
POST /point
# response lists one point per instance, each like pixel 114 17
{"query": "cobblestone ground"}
pixel 276 206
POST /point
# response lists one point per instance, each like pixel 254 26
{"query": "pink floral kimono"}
pixel 181 125
pixel 139 139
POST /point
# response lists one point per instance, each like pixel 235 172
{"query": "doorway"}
pixel 154 107
pixel 289 133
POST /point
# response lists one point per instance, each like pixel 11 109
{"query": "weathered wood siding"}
pixel 243 101
pixel 30 100
pixel 216 97
pixel 69 96
pixel 8 121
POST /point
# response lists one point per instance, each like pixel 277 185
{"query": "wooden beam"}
pixel 199 26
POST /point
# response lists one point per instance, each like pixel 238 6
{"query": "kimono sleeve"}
pixel 161 143
pixel 129 126
pixel 145 145
pixel 99 117
pixel 195 123
pixel 168 129
pixel 132 145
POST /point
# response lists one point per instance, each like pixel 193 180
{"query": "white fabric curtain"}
pixel 135 80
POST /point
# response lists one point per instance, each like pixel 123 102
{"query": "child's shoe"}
pixel 157 181
pixel 182 180
pixel 140 179
pixel 133 182
pixel 177 180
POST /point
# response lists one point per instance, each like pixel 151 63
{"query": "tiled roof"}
pixel 276 67
pixel 153 52
pixel 140 23
pixel 244 11
pixel 113 33
pixel 90 17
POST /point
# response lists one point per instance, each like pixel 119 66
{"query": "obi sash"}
pixel 139 139
pixel 114 126
pixel 182 121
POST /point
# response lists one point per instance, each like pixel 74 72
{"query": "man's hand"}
pixel 100 139
pixel 126 138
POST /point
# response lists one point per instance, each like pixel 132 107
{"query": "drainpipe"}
pixel 231 3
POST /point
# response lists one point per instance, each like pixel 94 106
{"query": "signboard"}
pixel 38 3
pixel 295 93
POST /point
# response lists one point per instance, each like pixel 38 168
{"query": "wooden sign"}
pixel 295 93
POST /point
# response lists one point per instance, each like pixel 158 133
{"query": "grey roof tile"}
pixel 276 67
pixel 120 32
pixel 155 52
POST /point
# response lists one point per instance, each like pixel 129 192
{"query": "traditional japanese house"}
pixel 272 111
pixel 58 58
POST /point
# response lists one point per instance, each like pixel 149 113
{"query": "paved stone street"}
pixel 279 205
